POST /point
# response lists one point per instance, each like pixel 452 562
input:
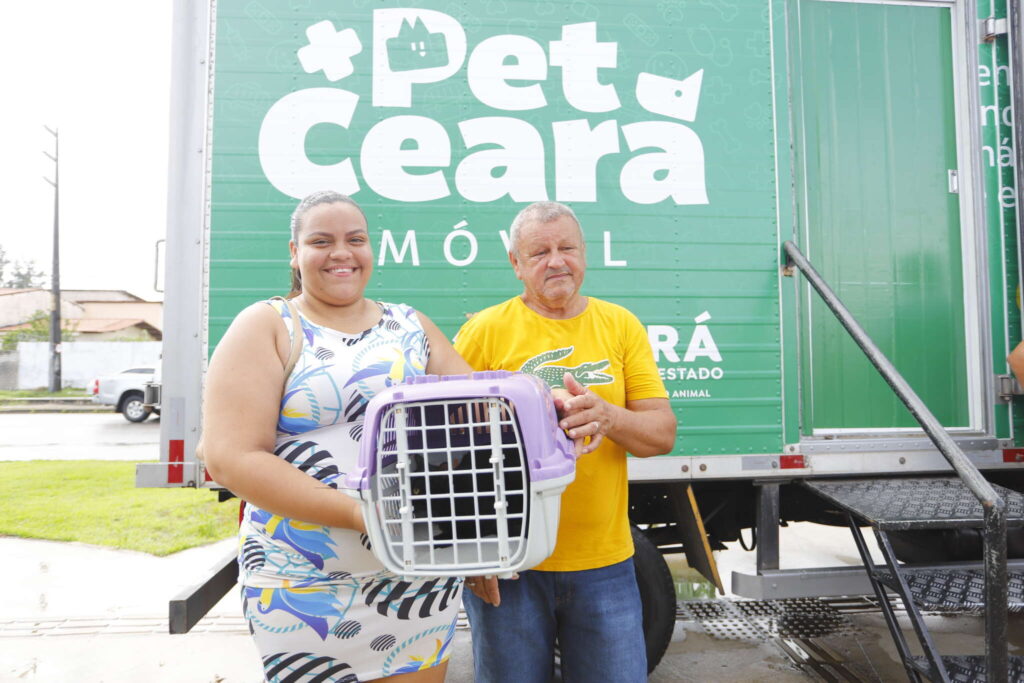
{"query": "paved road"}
pixel 77 436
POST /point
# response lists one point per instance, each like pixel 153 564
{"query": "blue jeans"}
pixel 595 614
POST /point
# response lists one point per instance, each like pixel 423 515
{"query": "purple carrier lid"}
pixel 548 451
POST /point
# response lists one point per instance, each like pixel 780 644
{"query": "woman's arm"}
pixel 244 385
pixel 444 359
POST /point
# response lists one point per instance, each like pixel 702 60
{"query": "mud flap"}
pixel 691 530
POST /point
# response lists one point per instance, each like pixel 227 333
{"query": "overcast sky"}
pixel 99 72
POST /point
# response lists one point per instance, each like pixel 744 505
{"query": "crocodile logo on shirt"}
pixel 585 373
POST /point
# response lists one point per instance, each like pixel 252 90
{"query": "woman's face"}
pixel 333 253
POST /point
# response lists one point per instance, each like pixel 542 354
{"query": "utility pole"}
pixel 55 338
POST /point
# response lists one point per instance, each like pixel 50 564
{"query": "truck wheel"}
pixel 132 407
pixel 657 594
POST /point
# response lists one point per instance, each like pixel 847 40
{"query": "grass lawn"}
pixel 96 502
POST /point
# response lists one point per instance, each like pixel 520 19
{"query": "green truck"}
pixel 708 147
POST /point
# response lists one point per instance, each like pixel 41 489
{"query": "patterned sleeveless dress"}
pixel 320 606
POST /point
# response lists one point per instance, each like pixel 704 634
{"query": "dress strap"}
pixel 295 334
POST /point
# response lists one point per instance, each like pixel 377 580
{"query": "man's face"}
pixel 550 259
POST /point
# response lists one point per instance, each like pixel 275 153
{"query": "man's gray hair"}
pixel 316 199
pixel 539 212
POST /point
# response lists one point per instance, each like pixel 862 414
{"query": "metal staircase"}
pixel 966 500
pixel 888 505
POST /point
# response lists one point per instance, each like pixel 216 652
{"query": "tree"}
pixel 19 274
pixel 38 330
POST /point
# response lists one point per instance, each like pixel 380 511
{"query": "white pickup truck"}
pixel 125 391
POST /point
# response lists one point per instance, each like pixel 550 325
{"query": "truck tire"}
pixel 133 408
pixel 657 595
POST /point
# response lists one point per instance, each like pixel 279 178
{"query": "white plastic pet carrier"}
pixel 462 475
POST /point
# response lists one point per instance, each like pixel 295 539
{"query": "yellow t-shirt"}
pixel 607 350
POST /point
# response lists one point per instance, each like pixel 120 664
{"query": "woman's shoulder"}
pixel 393 306
pixel 254 323
pixel 278 304
pixel 261 317
pixel 398 311
pixel 265 312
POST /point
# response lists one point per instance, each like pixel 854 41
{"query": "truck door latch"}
pixel 1006 388
pixel 992 27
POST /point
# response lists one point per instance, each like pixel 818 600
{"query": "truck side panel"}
pixel 657 128
pixel 666 126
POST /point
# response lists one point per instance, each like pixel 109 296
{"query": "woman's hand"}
pixel 486 588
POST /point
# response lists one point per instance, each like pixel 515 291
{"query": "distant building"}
pixel 92 314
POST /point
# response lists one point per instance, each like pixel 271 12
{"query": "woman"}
pixel 319 604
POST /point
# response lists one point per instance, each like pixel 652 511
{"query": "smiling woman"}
pixel 311 586
pixel 331 240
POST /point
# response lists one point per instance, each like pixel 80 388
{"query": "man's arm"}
pixel 644 427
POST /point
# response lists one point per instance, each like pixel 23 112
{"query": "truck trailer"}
pixel 810 205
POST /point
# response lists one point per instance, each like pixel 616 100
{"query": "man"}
pixel 585 594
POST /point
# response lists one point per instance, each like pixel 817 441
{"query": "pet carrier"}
pixel 462 475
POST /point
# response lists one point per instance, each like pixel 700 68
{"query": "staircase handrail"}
pixel 994 507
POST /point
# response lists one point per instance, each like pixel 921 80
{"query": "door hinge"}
pixel 954 181
pixel 992 27
pixel 1006 388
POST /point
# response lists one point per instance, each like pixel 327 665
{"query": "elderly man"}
pixel 585 595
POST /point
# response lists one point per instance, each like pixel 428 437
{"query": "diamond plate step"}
pixel 953 590
pixel 915 503
pixel 971 669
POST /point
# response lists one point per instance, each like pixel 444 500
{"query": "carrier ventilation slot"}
pixel 451 484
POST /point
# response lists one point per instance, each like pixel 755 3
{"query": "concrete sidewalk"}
pixel 32 408
pixel 74 612
pixel 55 404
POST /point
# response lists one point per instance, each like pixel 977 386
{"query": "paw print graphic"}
pixel 329 50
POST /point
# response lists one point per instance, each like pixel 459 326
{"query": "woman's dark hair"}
pixel 308 202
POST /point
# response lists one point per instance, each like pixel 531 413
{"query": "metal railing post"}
pixel 996 591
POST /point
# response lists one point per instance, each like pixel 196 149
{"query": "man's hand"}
pixel 561 396
pixel 585 416
pixel 485 588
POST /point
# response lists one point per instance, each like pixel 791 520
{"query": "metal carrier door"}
pixel 881 213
